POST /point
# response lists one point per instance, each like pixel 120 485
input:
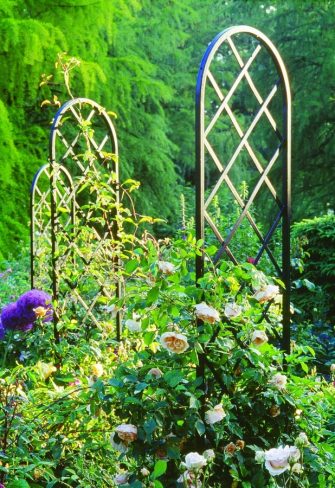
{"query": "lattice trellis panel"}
pixel 40 222
pixel 84 255
pixel 243 147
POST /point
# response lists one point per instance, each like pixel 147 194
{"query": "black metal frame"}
pixel 203 148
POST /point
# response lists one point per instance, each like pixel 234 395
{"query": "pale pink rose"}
pixel 277 460
pixel 266 293
pixel 166 268
pixel 232 310
pixel 194 461
pixel 259 337
pixel 121 479
pixel 127 432
pixel 215 415
pixel 156 372
pixel 279 381
pixel 207 313
pixel 174 342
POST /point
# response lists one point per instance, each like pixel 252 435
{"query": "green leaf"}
pixel 152 295
pixel 173 378
pixel 159 468
pixel 200 426
pixel 18 484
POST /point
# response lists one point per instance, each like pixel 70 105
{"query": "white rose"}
pixel 209 454
pixel 215 415
pixel 232 310
pixel 97 369
pixel 279 381
pixel 174 342
pixel 127 432
pixel 133 325
pixel 166 267
pixel 145 472
pixel 266 293
pixel 277 459
pixel 259 337
pixel 121 479
pixel 194 461
pixel 189 479
pixel 206 313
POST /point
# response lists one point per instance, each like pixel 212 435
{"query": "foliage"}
pixel 142 60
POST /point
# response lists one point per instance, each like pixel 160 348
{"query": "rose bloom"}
pixel 277 460
pixel 174 342
pixel 302 440
pixel 215 415
pixel 127 432
pixel 156 372
pixel 279 381
pixel 259 337
pixel 194 461
pixel 97 369
pixel 118 446
pixel 206 313
pixel 133 325
pixel 165 267
pixel 266 293
pixel 232 310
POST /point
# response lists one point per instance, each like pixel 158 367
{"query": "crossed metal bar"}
pixel 282 152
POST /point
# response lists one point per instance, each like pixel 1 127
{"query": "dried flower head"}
pixel 230 449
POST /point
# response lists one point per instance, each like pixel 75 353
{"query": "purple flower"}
pixel 12 319
pixel 29 302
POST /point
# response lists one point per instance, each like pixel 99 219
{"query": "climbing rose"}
pixel 209 454
pixel 194 461
pixel 174 342
pixel 166 268
pixel 127 432
pixel 118 446
pixel 232 310
pixel 267 293
pixel 215 415
pixel 121 479
pixel 32 300
pixel 145 472
pixel 206 313
pixel 277 459
pixel 279 381
pixel 259 337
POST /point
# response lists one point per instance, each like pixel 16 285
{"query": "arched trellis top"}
pixel 71 106
pixel 204 149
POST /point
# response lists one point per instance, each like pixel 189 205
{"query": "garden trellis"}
pixel 81 242
pixel 236 129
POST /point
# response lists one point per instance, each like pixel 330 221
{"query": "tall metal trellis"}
pixel 84 262
pixel 40 222
pixel 228 76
